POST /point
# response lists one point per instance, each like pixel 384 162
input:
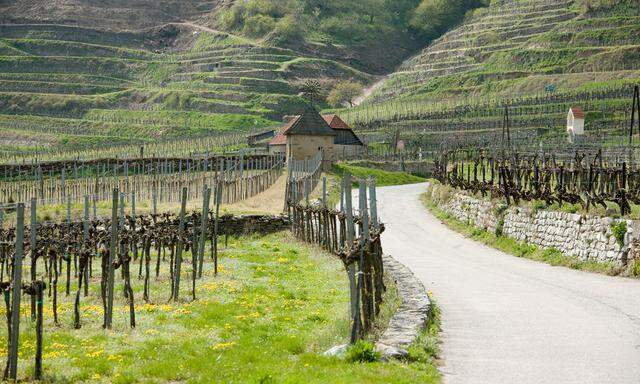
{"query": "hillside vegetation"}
pixel 520 46
pixel 539 56
pixel 84 74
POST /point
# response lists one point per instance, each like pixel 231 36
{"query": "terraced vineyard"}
pixel 84 82
pixel 537 57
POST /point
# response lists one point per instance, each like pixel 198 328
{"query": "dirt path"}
pixel 369 90
pixel 511 320
pixel 270 201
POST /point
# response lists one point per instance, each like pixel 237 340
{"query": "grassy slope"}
pixel 275 306
pixel 522 47
pixel 383 178
pixel 186 81
pixel 515 49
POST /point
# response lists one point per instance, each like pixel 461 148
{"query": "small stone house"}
pixel 575 122
pixel 303 135
pixel 346 142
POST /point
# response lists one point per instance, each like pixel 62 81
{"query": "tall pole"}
pixel 178 261
pixel 33 247
pixel 204 220
pixel 16 286
pixel 112 254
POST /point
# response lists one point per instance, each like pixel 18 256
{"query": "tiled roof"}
pixel 335 122
pixel 577 112
pixel 280 138
pixel 309 123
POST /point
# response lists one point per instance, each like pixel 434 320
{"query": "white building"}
pixel 575 122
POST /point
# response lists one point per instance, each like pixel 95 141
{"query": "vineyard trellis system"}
pixel 355 239
pixel 375 114
pixel 156 181
pixel 171 147
pixel 124 241
pixel 586 179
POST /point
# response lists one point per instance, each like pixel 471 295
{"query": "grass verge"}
pixel 383 178
pixel 426 347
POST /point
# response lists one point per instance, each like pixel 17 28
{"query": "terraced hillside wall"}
pixel 538 57
pixel 586 237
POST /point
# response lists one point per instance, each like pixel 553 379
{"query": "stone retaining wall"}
pixel 583 236
pixel 247 224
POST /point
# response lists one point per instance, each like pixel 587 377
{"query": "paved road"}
pixel 511 320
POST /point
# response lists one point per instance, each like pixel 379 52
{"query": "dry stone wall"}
pixel 247 224
pixel 586 237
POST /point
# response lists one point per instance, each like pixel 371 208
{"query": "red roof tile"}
pixel 577 112
pixel 280 138
pixel 335 122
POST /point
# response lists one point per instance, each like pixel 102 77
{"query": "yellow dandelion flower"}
pixel 220 346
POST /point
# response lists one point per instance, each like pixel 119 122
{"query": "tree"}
pixel 311 90
pixel 345 92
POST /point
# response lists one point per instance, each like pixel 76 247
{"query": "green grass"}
pixel 383 178
pixel 274 308
pixel 426 347
pixel 513 247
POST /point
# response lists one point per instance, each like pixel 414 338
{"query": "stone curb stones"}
pixel 408 320
pixel 412 315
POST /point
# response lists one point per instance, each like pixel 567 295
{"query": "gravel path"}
pixel 511 320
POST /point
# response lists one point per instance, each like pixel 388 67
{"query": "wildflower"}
pixel 117 358
pixel 220 346
pixel 95 353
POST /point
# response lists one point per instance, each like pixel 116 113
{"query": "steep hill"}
pixel 539 56
pixel 82 73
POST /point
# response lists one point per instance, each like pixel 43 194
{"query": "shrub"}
pixel 258 26
pixel 499 227
pixel 345 92
pixel 634 268
pixel 619 230
pixel 287 29
pixel 362 352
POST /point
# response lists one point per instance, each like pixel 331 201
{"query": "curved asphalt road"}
pixel 511 320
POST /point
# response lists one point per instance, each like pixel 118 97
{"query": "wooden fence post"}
pixel 113 248
pixel 85 237
pixel 351 268
pixel 373 204
pixel 216 224
pixel 33 252
pixel 204 220
pixel 178 261
pixel 16 286
pixel 39 287
pixel 364 274
pixel 324 191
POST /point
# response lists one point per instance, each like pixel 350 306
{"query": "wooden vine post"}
pixel 38 287
pixel 16 286
pixel 113 248
pixel 33 252
pixel 216 224
pixel 349 236
pixel 178 260
pixel 204 221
